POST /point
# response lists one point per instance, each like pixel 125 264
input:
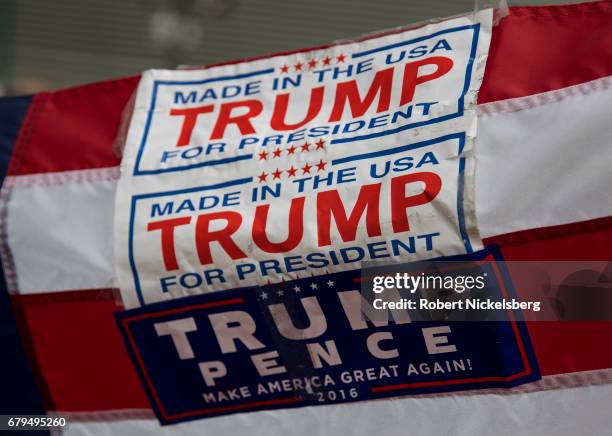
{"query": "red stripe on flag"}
pixel 72 129
pixel 538 49
pixel 565 346
pixel 78 352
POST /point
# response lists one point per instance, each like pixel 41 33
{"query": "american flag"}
pixel 543 178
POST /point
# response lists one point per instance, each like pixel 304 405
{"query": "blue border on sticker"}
pixel 137 171
pixel 460 137
pixel 156 84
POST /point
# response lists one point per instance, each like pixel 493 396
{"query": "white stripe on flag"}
pixel 545 164
pixel 575 411
pixel 60 235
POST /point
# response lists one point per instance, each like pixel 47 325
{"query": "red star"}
pixel 277 174
pixel 305 146
pixel 320 145
pixel 321 165
pixel 291 150
pixel 298 66
pixel 312 63
pixel 291 171
pixel 306 169
pixel 326 60
pixel 340 58
pixel 284 69
pixel 262 177
pixel 263 155
pixel 276 153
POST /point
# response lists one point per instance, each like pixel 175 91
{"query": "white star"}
pixel 297 289
pixel 263 296
pixel 280 292
pixel 313 286
pixel 330 284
